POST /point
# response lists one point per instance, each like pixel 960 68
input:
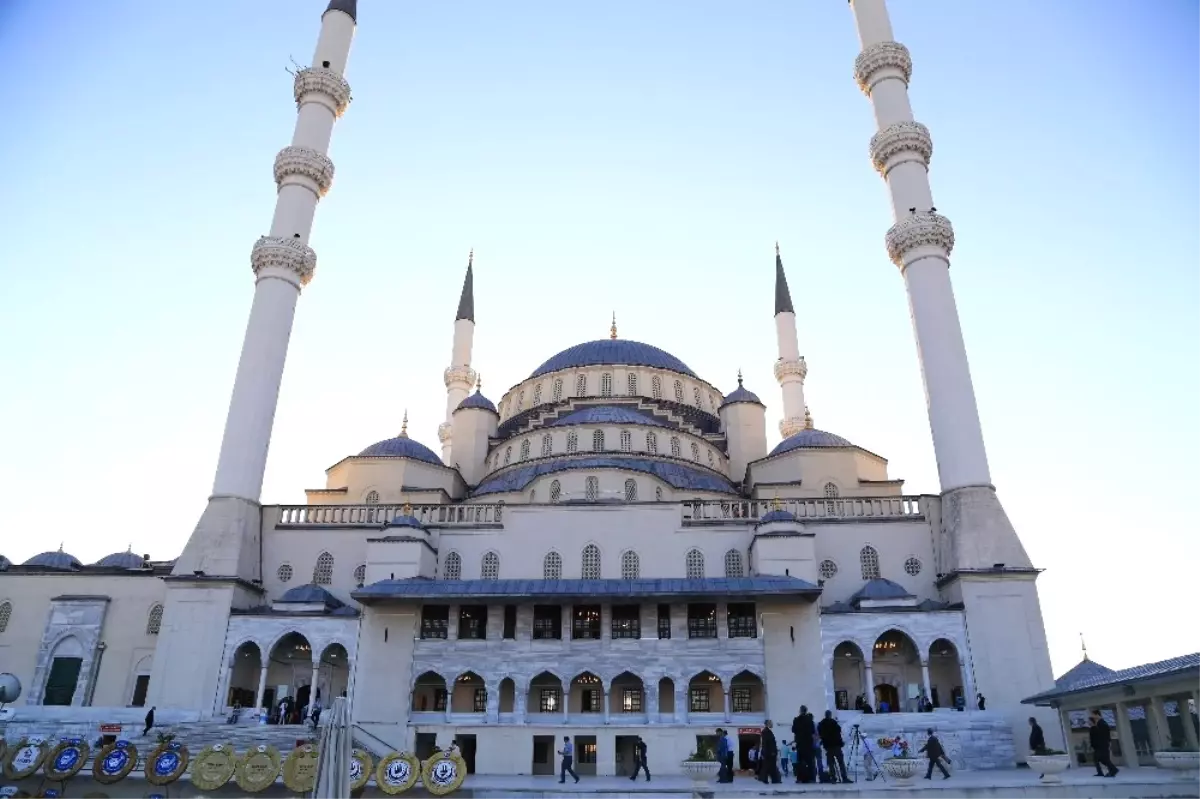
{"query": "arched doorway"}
pixel 244 674
pixel 666 699
pixel 469 694
pixel 896 667
pixel 333 677
pixel 587 694
pixel 62 680
pixel 429 693
pixel 141 681
pixel 508 695
pixel 945 674
pixel 849 676
pixel 289 678
pixel 545 694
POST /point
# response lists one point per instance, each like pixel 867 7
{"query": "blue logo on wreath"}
pixel 115 762
pixel 166 764
pixel 66 759
pixel 51 792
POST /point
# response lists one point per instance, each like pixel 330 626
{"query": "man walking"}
pixel 803 731
pixel 769 756
pixel 1100 736
pixel 149 723
pixel 830 733
pixel 639 759
pixel 785 758
pixel 934 751
pixel 568 759
pixel 722 758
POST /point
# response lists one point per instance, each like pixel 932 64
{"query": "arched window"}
pixel 678 391
pixel 5 615
pixel 626 441
pixel 631 380
pixel 547 444
pixel 606 385
pixel 555 491
pixel 631 490
pixel 154 621
pixel 710 457
pixel 591 562
pixel 592 489
pixel 552 566
pixel 675 453
pixel 696 396
pixel 532 495
pixel 525 450
pixel 537 394
pixel 323 572
pixel 598 441
pixel 521 400
pixel 712 403
pixel 695 564
pixel 733 564
pixel 558 390
pixel 651 443
pixel 452 568
pixel 284 574
pixel 656 387
pixel 831 490
pixel 572 442
pixel 695 451
pixel 372 498
pixel 630 568
pixel 869 559
pixel 658 493
pixel 828 570
pixel 912 567
pixel 360 573
pixel 490 570
pixel 507 455
pixel 581 385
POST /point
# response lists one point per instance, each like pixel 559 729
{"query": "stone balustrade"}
pixel 452 515
pixel 722 511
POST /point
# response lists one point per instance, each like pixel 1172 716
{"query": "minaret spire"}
pixel 466 301
pixel 612 331
pixel 404 425
pixel 459 376
pixel 783 297
pixel 790 369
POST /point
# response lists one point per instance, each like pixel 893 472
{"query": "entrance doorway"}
pixel 426 741
pixel 60 685
pixel 889 694
pixel 543 755
pixel 625 755
pixel 747 739
pixel 466 747
pixel 585 755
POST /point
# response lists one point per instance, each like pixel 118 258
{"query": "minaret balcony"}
pixel 899 144
pixel 305 167
pixel 788 369
pixel 323 86
pixel 880 61
pixel 919 236
pixel 456 375
pixel 445 431
pixel 790 427
pixel 286 258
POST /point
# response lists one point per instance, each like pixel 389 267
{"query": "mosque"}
pixel 611 548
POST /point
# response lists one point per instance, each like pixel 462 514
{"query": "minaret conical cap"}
pixel 466 303
pixel 783 297
pixel 347 7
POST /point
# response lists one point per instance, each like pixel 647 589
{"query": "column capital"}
pixel 322 86
pixel 305 167
pixel 879 61
pixel 901 143
pixel 919 235
pixel 290 259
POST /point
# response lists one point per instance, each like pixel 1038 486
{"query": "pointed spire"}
pixel 783 297
pixel 479 383
pixel 739 378
pixel 466 303
pixel 60 545
pixel 404 425
pixel 347 7
pixel 1083 644
pixel 613 330
pixel 808 422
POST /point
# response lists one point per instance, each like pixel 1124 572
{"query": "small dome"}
pixel 613 351
pixel 309 593
pixel 401 447
pixel 810 438
pixel 122 560
pixel 880 588
pixel 741 394
pixel 607 414
pixel 4 563
pixel 405 520
pixel 55 560
pixel 477 400
pixel 778 515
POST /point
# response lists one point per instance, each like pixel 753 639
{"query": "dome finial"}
pixel 808 422
pixel 478 383
pixel 1083 644
pixel 776 248
pixel 129 549
pixel 60 543
pixel 739 378
pixel 613 330
pixel 777 504
pixel 408 509
pixel 471 257
pixel 404 425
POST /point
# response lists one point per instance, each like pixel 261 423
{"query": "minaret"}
pixel 981 561
pixel 219 568
pixel 459 376
pixel 790 369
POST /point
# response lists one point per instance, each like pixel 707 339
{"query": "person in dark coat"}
pixel 639 759
pixel 768 756
pixel 981 701
pixel 149 723
pixel 1037 740
pixel 803 731
pixel 1100 736
pixel 830 733
pixel 934 751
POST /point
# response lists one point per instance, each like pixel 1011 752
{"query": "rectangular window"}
pixel 435 620
pixel 741 700
pixel 664 621
pixel 585 622
pixel 547 622
pixel 472 622
pixel 698 700
pixel 742 622
pixel 626 621
pixel 510 622
pixel 549 701
pixel 631 700
pixel 480 704
pixel 587 753
pixel 589 700
pixel 439 699
pixel 702 620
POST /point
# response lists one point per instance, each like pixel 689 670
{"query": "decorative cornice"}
pixel 459 374
pixel 275 255
pixel 899 144
pixel 914 236
pixel 785 369
pixel 324 86
pixel 445 429
pixel 790 427
pixel 304 166
pixel 875 58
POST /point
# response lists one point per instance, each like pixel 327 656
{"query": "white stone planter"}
pixel 701 772
pixel 903 770
pixel 1184 764
pixel 1050 767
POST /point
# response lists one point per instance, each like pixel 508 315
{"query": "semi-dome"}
pixel 55 560
pixel 477 400
pixel 122 560
pixel 401 447
pixel 810 438
pixel 608 414
pixel 613 351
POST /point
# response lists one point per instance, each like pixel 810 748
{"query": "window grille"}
pixel 537 394
pixel 656 387
pixel 521 400
pixel 591 562
pixel 631 381
pixel 435 621
pixel 525 450
pixel 592 489
pixel 695 451
pixel 912 567
pixel 480 703
pixel 733 564
pixel 552 566
pixel 598 441
pixel 606 385
pixel 631 490
pixel 581 385
pixel 490 570
pixel 555 491
pixel 154 622
pixel 675 453
pixel 284 574
pixel 547 445
pixel 742 620
pixel 507 455
pixel 658 493
pixel 360 573
pixel 868 558
pixel 740 698
pixel 558 390
pixel 323 572
pixel 828 570
pixel 452 568
pixel 651 443
pixel 630 568
pixel 5 615
pixel 572 442
pixel 631 700
pixel 372 498
pixel 696 396
pixel 695 564
pixel 626 441
pixel 698 700
pixel 678 391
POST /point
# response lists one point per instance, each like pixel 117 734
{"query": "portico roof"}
pixel 1163 669
pixel 419 588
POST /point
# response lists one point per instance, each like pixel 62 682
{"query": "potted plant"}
pixel 1182 760
pixel 1050 763
pixel 901 767
pixel 701 766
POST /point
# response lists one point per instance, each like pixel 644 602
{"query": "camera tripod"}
pixel 870 764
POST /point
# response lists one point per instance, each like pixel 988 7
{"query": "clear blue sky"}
pixel 642 157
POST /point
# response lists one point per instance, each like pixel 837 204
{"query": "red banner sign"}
pixel 110 729
pixel 749 730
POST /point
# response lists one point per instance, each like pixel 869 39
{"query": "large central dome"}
pixel 613 351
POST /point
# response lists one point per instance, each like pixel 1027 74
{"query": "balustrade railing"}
pixel 464 515
pixel 741 511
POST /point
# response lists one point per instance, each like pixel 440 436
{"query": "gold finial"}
pixel 808 422
pixel 408 509
pixel 777 504
pixel 613 330
pixel 404 425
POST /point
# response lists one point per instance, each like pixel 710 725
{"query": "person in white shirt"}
pixel 568 759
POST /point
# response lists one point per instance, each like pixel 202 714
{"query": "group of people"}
pixel 289 711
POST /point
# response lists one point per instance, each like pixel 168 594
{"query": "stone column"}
pixel 681 705
pixel 968 685
pixel 725 689
pixel 722 620
pixel 520 701
pixel 452 626
pixel 1185 715
pixel 566 702
pixel 605 701
pixel 262 686
pixel 925 680
pixel 223 689
pixel 492 702
pixel 1125 735
pixel 1161 729
pixel 316 676
pixel 605 622
pixel 1065 721
pixel 650 700
pixel 869 680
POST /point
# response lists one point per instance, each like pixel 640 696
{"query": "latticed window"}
pixel 154 622
pixel 507 455
pixel 631 381
pixel 558 390
pixel 626 441
pixel 525 450
pixel 452 568
pixel 831 490
pixel 656 387
pixel 552 566
pixel 521 400
pixel 741 699
pixel 695 451
pixel 490 570
pixel 651 443
pixel 537 394
pixel 912 567
pixel 733 564
pixel 572 442
pixel 710 457
pixel 678 391
pixel 675 452
pixel 606 385
pixel 828 570
pixel 592 489
pixel 372 498
pixel 868 558
pixel 547 444
pixel 5 615
pixel 630 567
pixel 631 490
pixel 555 491
pixel 323 573
pixel 360 573
pixel 591 562
pixel 695 564
pixel 696 396
pixel 712 403
pixel 581 385
pixel 598 441
pixel 284 574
